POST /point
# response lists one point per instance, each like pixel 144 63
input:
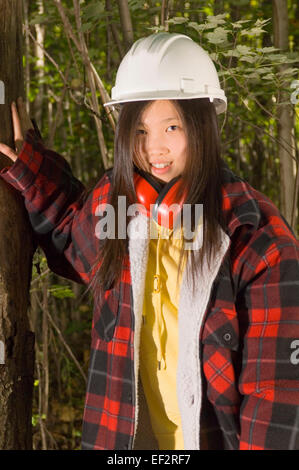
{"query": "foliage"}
pixel 253 80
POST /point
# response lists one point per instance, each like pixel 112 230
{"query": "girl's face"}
pixel 161 140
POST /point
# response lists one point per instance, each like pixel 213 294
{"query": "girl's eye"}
pixel 140 132
pixel 172 128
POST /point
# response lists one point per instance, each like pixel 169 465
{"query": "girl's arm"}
pixel 55 200
pixel 269 382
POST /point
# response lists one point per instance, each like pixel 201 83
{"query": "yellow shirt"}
pixel 159 339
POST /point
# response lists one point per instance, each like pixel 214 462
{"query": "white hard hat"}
pixel 167 66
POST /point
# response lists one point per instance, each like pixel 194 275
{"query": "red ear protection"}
pixel 156 199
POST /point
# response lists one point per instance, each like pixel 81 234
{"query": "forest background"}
pixel 71 53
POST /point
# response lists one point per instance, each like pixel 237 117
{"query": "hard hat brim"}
pixel 220 102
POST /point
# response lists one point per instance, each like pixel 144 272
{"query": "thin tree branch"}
pixel 164 14
pixel 104 95
pixel 267 133
pixel 114 31
pixel 67 346
pixel 67 24
pixel 91 81
pixel 58 116
pixel 63 341
pixel 40 414
pixel 45 330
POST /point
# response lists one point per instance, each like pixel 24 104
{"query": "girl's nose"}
pixel 156 146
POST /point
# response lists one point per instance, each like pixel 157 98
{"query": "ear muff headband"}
pixel 158 201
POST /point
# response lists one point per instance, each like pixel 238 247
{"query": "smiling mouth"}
pixel 160 165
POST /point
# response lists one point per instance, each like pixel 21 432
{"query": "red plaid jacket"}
pixel 249 342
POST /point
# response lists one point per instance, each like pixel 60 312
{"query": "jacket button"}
pixel 227 337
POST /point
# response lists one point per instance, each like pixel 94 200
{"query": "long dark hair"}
pixel 201 179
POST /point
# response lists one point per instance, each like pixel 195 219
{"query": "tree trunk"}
pixel 126 23
pixel 16 251
pixel 285 116
pixel 40 67
pixel 112 26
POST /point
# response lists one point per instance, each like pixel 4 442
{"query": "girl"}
pixel 194 346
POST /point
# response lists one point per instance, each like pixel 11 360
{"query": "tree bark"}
pixel 16 251
pixel 39 67
pixel 126 23
pixel 164 14
pixel 285 116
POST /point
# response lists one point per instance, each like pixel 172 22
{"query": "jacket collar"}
pixel 239 203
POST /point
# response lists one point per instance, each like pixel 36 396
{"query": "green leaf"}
pixel 288 71
pixel 253 75
pixel 94 10
pixel 268 76
pixel 262 22
pixel 218 36
pixel 267 50
pixel 218 19
pixel 243 49
pixel 253 32
pixel 224 73
pixel 196 26
pixel 157 29
pixel 136 5
pixel 40 19
pixel 262 70
pixel 178 20
pixel 231 53
pixel 239 24
pixel 87 27
pixel 277 57
pixel 214 56
pixel 248 58
pixel 61 292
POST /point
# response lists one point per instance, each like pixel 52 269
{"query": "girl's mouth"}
pixel 160 168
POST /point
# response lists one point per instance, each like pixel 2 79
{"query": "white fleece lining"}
pixel 138 233
pixel 190 317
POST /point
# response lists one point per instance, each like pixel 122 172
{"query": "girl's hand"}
pixel 21 124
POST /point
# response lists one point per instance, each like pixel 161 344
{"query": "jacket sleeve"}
pixel 269 319
pixel 59 212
